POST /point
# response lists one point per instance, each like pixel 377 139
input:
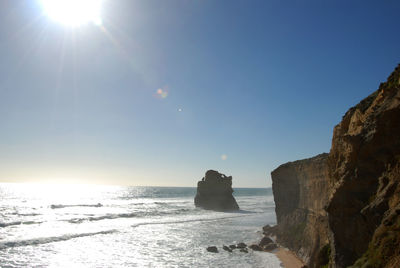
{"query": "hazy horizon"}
pixel 155 93
pixel 58 184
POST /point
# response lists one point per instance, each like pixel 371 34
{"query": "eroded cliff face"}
pixel 350 197
pixel 364 165
pixel 300 197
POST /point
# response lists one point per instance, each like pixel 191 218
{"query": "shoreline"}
pixel 288 258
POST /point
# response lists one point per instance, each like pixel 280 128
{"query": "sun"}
pixel 73 12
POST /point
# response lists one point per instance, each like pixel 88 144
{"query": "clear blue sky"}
pixel 250 85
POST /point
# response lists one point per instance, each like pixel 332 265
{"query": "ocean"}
pixel 114 226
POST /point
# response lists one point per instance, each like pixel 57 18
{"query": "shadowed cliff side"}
pixel 350 197
pixel 364 169
pixel 300 189
pixel 214 192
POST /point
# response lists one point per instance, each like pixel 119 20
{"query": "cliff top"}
pixel 392 84
pixel 314 158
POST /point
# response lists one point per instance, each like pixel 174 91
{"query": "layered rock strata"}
pixel 364 176
pixel 300 189
pixel 343 209
pixel 214 192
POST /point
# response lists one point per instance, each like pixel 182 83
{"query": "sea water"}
pixel 110 226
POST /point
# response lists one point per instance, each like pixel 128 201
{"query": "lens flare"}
pixel 162 93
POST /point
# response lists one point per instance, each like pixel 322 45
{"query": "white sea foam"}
pixel 128 227
pixel 77 205
pixel 5 224
pixel 45 240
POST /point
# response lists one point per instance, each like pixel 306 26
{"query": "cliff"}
pixel 350 197
pixel 300 197
pixel 214 192
pixel 364 175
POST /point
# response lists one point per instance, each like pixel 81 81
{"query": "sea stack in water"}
pixel 214 192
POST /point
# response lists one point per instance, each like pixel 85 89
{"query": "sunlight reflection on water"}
pixel 103 226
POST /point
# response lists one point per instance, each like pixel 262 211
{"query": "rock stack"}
pixel 214 192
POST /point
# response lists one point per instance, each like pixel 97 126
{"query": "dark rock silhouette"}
pixel 255 247
pixel 226 248
pixel 241 245
pixel 269 230
pixel 214 192
pixel 212 249
pixel 270 247
pixel 265 241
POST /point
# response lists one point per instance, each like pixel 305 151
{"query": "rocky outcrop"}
pixel 351 197
pixel 364 176
pixel 214 192
pixel 300 197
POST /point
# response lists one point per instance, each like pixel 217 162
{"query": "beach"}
pixel 288 259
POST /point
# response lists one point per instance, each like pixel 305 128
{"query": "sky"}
pixel 162 91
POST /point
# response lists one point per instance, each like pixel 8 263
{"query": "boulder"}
pixel 232 246
pixel 226 248
pixel 255 247
pixel 265 241
pixel 244 250
pixel 241 245
pixel 270 246
pixel 212 249
pixel 269 230
pixel 214 192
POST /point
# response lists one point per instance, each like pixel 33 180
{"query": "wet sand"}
pixel 288 259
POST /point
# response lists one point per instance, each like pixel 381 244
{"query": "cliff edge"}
pixel 343 209
pixel 364 176
pixel 300 197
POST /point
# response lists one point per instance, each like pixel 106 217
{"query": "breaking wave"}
pixel 129 215
pixel 46 240
pixel 79 205
pixel 103 217
pixel 5 224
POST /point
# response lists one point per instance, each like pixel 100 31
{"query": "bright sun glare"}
pixel 73 12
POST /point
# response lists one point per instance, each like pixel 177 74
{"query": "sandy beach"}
pixel 288 259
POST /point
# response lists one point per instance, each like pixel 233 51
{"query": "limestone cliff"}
pixel 364 176
pixel 214 192
pixel 300 197
pixel 350 197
